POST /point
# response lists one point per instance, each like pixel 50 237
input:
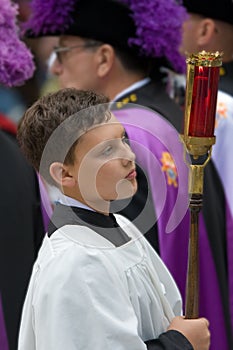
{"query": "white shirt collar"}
pixel 71 202
pixel 133 87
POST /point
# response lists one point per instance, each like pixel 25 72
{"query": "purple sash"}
pixel 154 140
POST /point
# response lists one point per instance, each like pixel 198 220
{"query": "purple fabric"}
pixel 150 135
pixel 148 130
pixel 210 299
pixel 3 335
pixel 230 260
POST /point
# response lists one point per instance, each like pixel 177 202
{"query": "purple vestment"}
pixel 154 142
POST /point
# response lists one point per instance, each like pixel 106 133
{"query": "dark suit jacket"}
pixel 21 232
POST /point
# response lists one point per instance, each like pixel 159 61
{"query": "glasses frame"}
pixel 58 50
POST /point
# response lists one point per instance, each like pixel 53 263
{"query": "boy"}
pixel 97 283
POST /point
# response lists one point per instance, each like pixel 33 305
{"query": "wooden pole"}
pixel 192 286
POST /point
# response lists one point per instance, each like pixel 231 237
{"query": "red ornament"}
pixel 205 88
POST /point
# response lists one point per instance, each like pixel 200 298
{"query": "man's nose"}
pixel 54 66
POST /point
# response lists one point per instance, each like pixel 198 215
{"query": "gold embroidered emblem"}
pixel 169 168
pixel 133 98
pixel 128 99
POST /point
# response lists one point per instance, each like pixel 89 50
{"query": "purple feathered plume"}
pixel 158 23
pixel 16 61
pixel 159 29
pixel 49 15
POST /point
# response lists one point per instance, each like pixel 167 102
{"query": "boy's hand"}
pixel 195 330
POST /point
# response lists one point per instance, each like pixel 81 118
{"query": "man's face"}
pixel 104 166
pixel 75 63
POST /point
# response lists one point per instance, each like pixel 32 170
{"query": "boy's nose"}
pixel 129 156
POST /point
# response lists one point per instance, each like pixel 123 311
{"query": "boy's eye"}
pixel 125 140
pixel 107 151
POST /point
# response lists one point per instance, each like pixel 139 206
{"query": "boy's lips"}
pixel 132 174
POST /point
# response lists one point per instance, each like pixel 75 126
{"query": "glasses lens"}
pixel 59 50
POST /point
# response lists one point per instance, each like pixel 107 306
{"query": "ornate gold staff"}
pixel 198 138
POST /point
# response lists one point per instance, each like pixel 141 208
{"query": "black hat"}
pixel 216 9
pixel 151 28
pixel 106 21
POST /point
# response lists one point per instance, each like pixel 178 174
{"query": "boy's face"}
pixel 104 168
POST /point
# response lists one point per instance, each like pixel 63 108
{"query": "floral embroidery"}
pixel 169 168
pixel 221 112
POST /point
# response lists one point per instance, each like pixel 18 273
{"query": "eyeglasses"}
pixel 60 50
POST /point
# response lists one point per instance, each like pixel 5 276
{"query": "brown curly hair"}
pixel 49 130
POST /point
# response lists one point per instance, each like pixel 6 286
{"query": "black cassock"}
pixel 21 232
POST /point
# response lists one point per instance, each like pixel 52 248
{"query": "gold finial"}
pixel 206 59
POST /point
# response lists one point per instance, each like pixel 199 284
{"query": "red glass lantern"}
pixel 205 88
pixel 201 94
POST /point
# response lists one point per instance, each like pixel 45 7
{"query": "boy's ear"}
pixel 61 175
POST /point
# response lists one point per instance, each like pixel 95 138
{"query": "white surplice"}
pixel 85 293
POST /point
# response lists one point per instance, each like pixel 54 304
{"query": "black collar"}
pixel 104 225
